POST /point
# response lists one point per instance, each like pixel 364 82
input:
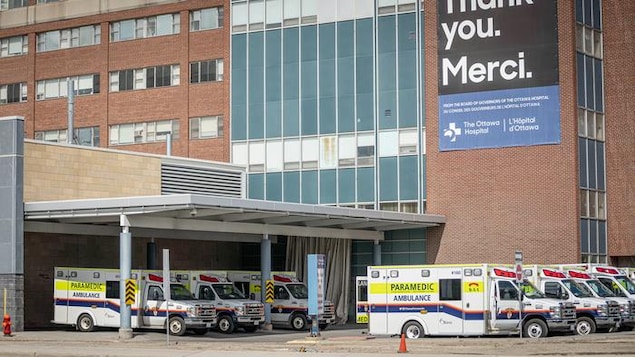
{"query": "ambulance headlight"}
pixel 602 310
pixel 625 309
pixel 191 311
pixel 555 311
pixel 240 310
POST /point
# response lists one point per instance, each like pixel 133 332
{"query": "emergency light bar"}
pixel 607 270
pixel 504 273
pixel 209 279
pixel 553 274
pixel 154 277
pixel 579 275
pixel 284 279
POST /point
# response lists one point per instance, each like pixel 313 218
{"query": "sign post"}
pixel 316 264
pixel 518 260
pixel 166 291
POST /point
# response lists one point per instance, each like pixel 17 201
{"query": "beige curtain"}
pixel 338 267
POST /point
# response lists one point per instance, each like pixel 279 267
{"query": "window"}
pixel 112 289
pixel 279 292
pixel 449 289
pixel 206 127
pixel 365 149
pixel 68 38
pixel 206 71
pixel 13 93
pixel 58 87
pixel 143 132
pixel 160 25
pixel 206 19
pixel 205 293
pixel 507 291
pixel 14 46
pixel 12 4
pixel 553 290
pixel 88 136
pixel 142 78
pixel 155 293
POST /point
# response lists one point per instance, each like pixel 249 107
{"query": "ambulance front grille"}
pixel 613 309
pixel 205 311
pixel 255 309
pixel 568 311
pixel 329 308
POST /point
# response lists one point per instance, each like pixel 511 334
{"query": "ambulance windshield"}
pixel 530 291
pixel 626 284
pixel 228 291
pixel 298 291
pixel 600 289
pixel 577 289
pixel 179 292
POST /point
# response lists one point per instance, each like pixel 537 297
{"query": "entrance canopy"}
pixel 189 216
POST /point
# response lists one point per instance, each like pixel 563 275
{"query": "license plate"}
pixel 256 323
pixel 208 325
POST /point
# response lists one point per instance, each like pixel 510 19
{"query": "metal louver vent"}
pixel 179 178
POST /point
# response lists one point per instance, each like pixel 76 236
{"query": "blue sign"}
pixel 510 117
pixel 316 264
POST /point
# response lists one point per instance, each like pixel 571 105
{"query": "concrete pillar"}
pixel 12 219
pixel 125 263
pixel 265 274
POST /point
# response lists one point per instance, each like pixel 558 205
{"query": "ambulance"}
pixel 592 312
pixel 614 278
pixel 361 300
pixel 627 306
pixel 290 305
pixel 233 309
pixel 89 297
pixel 460 300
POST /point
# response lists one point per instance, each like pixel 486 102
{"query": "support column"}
pixel 12 219
pixel 377 253
pixel 265 274
pixel 125 262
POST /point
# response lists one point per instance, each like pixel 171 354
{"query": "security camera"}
pixel 193 212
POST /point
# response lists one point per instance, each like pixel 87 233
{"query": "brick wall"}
pixel 499 200
pixel 55 172
pixel 104 109
pixel 619 90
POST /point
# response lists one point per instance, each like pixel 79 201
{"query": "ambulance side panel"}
pixel 361 300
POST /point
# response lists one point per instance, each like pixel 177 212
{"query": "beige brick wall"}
pixel 59 172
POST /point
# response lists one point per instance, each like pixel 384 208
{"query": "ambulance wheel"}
pixel 584 326
pixel 535 328
pixel 412 330
pixel 85 323
pixel 250 328
pixel 177 326
pixel 298 322
pixel 226 324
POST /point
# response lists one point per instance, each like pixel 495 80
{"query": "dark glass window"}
pixel 112 289
pixel 449 289
pixel 126 79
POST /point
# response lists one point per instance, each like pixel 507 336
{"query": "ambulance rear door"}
pixel 361 299
pixel 474 301
pixel 377 301
pixel 60 296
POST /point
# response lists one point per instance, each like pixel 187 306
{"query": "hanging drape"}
pixel 338 267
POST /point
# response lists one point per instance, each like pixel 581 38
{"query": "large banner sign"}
pixel 498 73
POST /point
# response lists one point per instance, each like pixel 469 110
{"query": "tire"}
pixel 413 330
pixel 324 327
pixel 85 323
pixel 250 329
pixel 226 324
pixel 200 331
pixel 584 326
pixel 535 328
pixel 177 326
pixel 298 322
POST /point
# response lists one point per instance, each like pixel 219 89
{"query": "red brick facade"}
pixel 106 108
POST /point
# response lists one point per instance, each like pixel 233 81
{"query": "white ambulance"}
pixel 627 306
pixel 592 312
pixel 233 309
pixel 290 305
pixel 89 298
pixel 460 300
pixel 361 300
pixel 614 278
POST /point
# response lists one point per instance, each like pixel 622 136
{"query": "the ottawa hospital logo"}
pixel 452 132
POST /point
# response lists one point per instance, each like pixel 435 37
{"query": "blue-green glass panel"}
pixel 328 180
pixel 584 236
pixel 308 86
pixel 291 82
pixel 239 122
pixel 387 77
pixel 273 75
pixel 256 114
pixel 366 184
pixel 364 74
pixel 407 65
pixel 239 87
pixel 423 177
pixel 310 187
pixel 274 186
pixel 388 179
pixel 602 237
pixel 291 186
pixel 422 71
pixel 408 178
pixel 327 115
pixel 345 77
pixel 600 166
pixel 327 79
pixel 239 51
pixel 257 186
pixel 408 108
pixel 346 185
